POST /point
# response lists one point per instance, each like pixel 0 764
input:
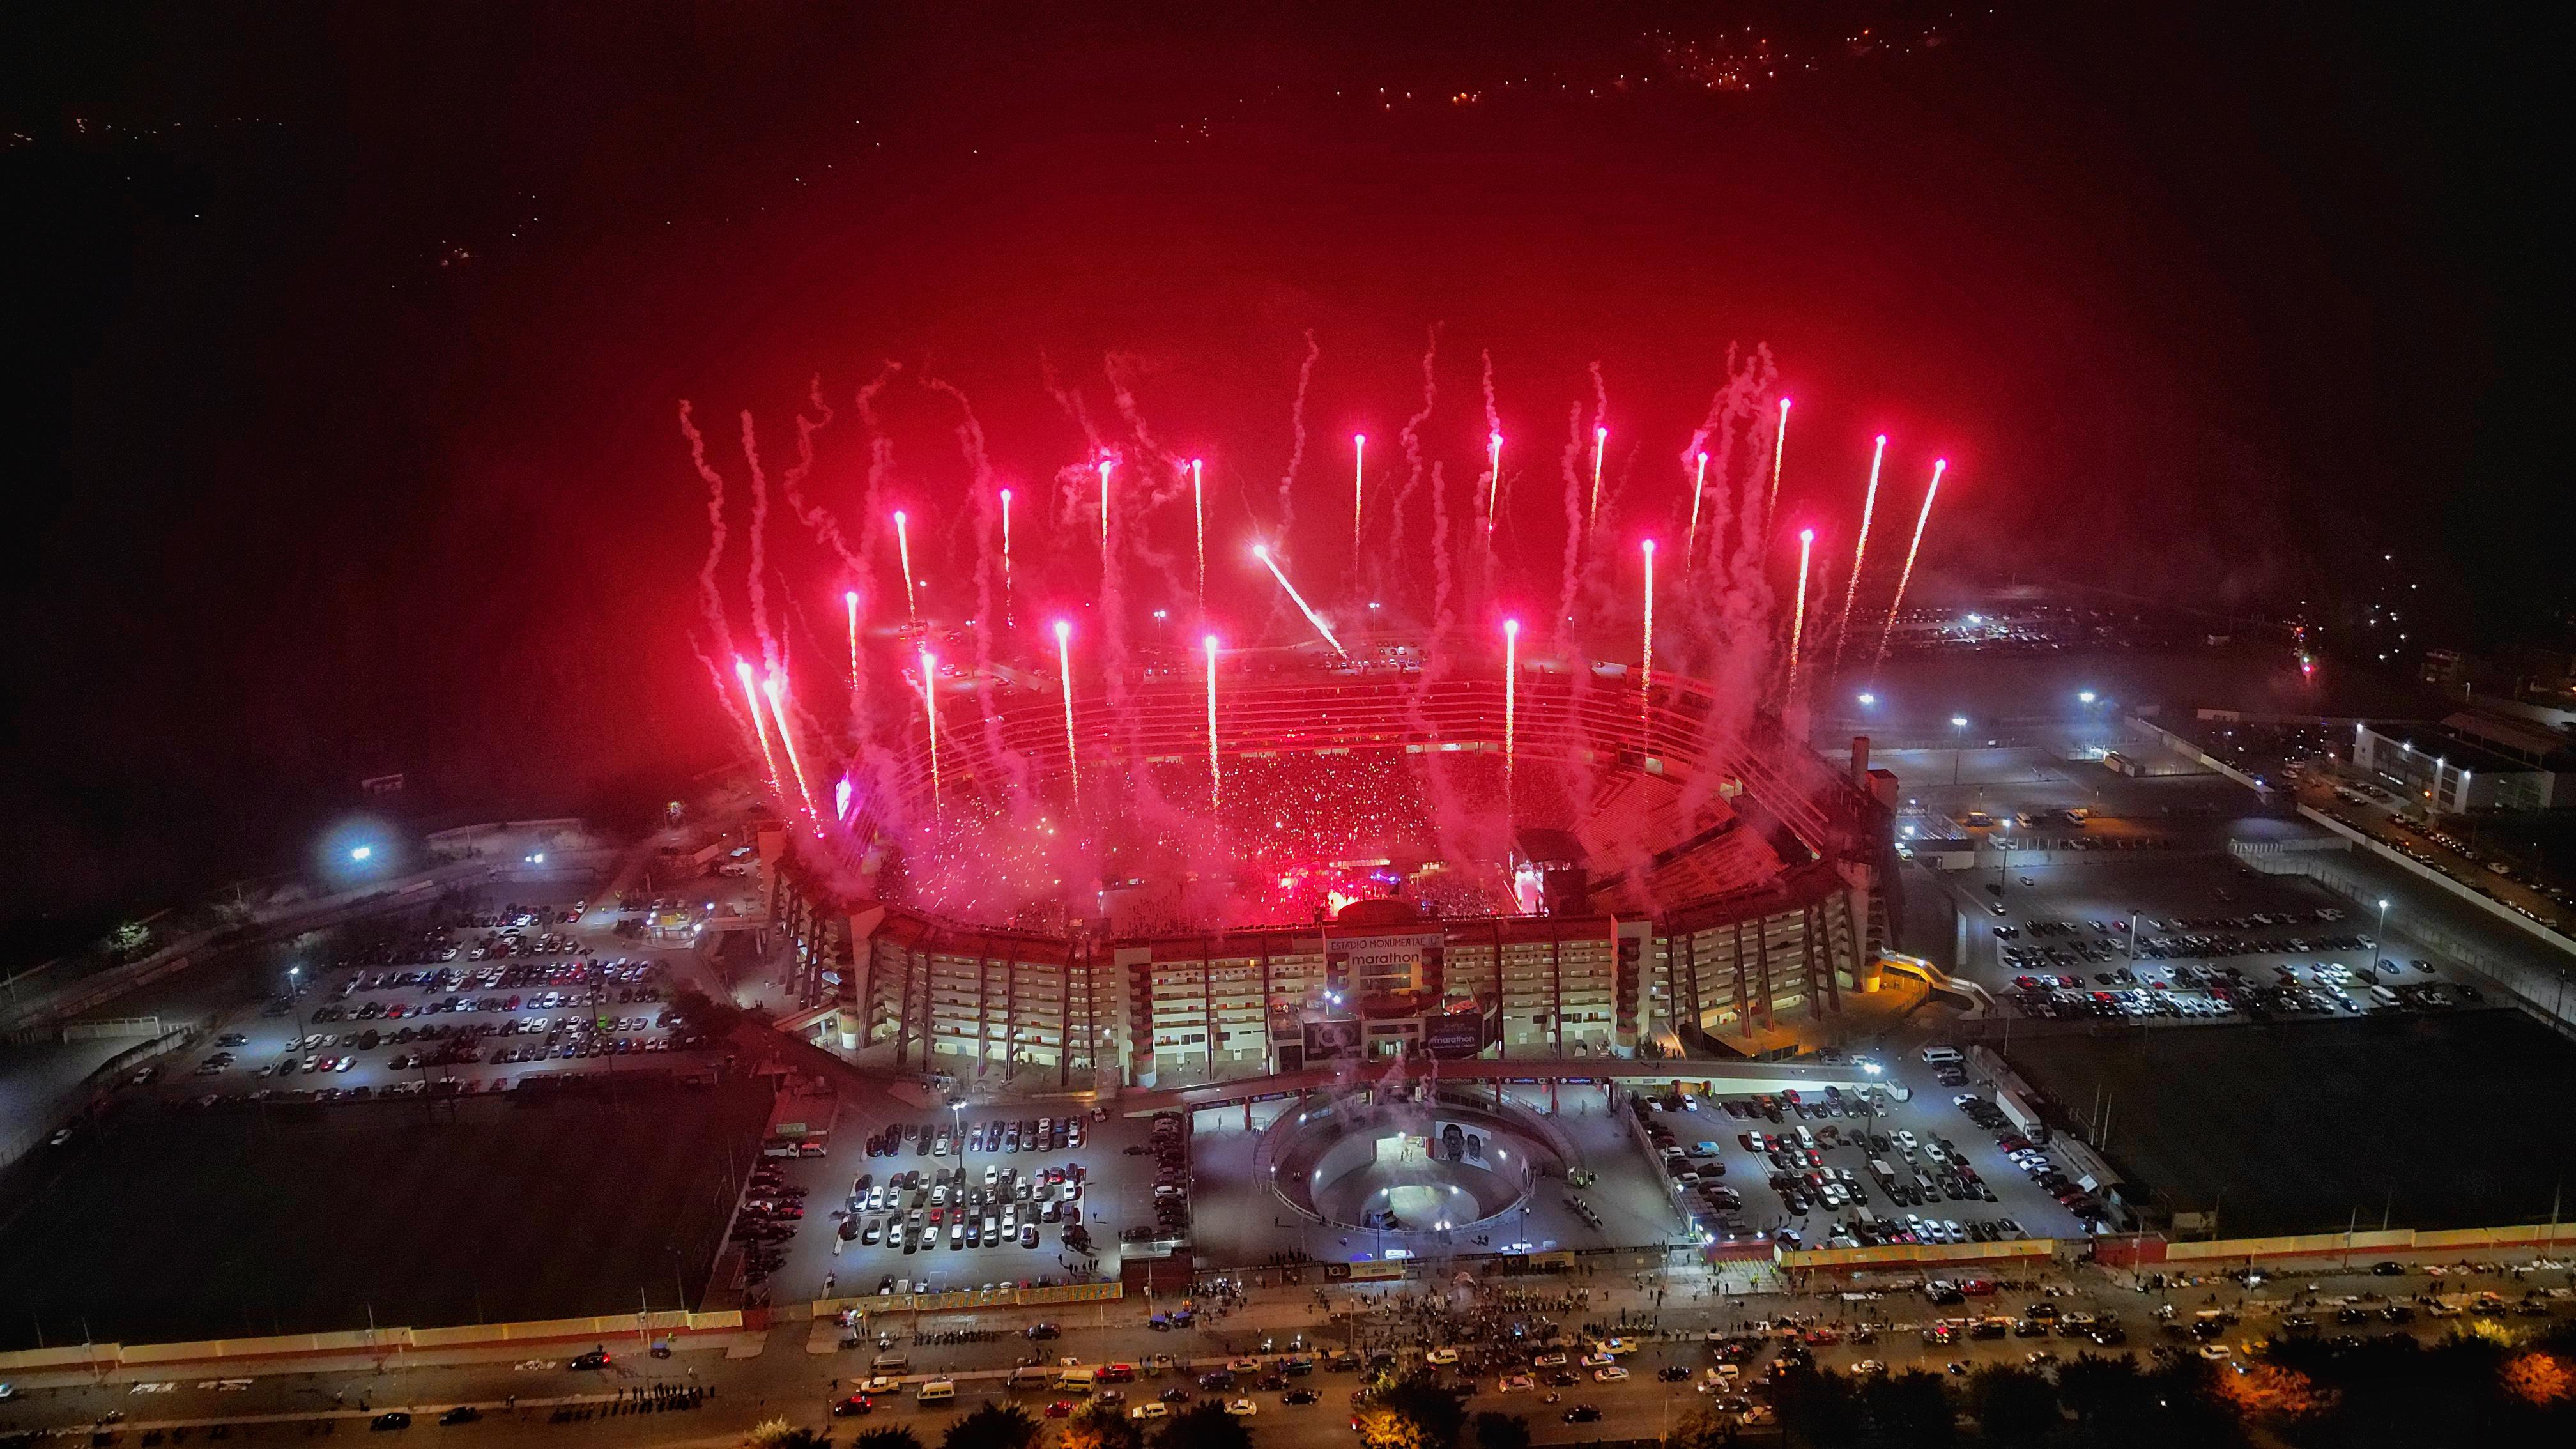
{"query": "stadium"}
pixel 1306 858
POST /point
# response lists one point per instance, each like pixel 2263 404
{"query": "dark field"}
pixel 194 1225
pixel 2434 1120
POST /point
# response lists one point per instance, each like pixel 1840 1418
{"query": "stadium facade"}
pixel 1753 899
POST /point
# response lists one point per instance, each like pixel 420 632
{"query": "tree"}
pixel 2262 1388
pixel 993 1426
pixel 2538 1378
pixel 1383 1428
pixel 2012 1405
pixel 1203 1425
pixel 779 1434
pixel 1702 1428
pixel 1099 1426
pixel 1912 1408
pixel 1816 1406
pixel 704 1013
pixel 1501 1431
pixel 1437 1415
pixel 888 1438
pixel 2108 1396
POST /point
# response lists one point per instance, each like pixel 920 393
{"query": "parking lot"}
pixel 471 1003
pixel 2421 1120
pixel 1861 1169
pixel 2214 941
pixel 931 1199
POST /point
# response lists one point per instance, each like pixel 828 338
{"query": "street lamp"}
pixel 1958 744
pixel 293 972
pixel 2383 927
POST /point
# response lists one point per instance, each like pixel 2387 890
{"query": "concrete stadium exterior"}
pixel 1701 942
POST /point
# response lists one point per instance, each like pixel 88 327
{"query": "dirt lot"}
pixel 2429 1120
pixel 185 1225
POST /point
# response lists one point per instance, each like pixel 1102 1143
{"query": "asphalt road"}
pixel 785 1378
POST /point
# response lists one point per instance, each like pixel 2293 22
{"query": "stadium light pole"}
pixel 1958 743
pixel 2383 929
pixel 292 973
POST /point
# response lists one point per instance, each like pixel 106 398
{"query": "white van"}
pixel 1941 1056
pixel 935 1391
pixel 1078 1380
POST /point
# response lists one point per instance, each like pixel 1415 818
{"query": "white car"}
pixel 1149 1410
pixel 1610 1375
pixel 1441 1356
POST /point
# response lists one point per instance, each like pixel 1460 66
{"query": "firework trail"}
pixel 1441 622
pixel 1600 445
pixel 1939 465
pixel 1411 439
pixel 1798 619
pixel 1359 494
pixel 1074 479
pixel 1646 666
pixel 759 570
pixel 775 686
pixel 1297 437
pixel 1494 437
pixel 710 597
pixel 1198 518
pixel 1570 577
pixel 1699 490
pixel 751 694
pixel 1511 710
pixel 1262 552
pixel 1064 667
pixel 930 721
pixel 880 456
pixel 1725 407
pixel 1779 451
pixel 1216 774
pixel 1860 551
pixel 1731 641
pixel 1120 369
pixel 791 484
pixel 992 506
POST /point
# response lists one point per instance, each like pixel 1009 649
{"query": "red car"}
pixel 854 1404
pixel 1061 1408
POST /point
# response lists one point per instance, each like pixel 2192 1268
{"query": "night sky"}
pixel 347 341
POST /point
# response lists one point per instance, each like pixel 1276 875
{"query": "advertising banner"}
pixel 1457 1034
pixel 1385 965
pixel 1332 1040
